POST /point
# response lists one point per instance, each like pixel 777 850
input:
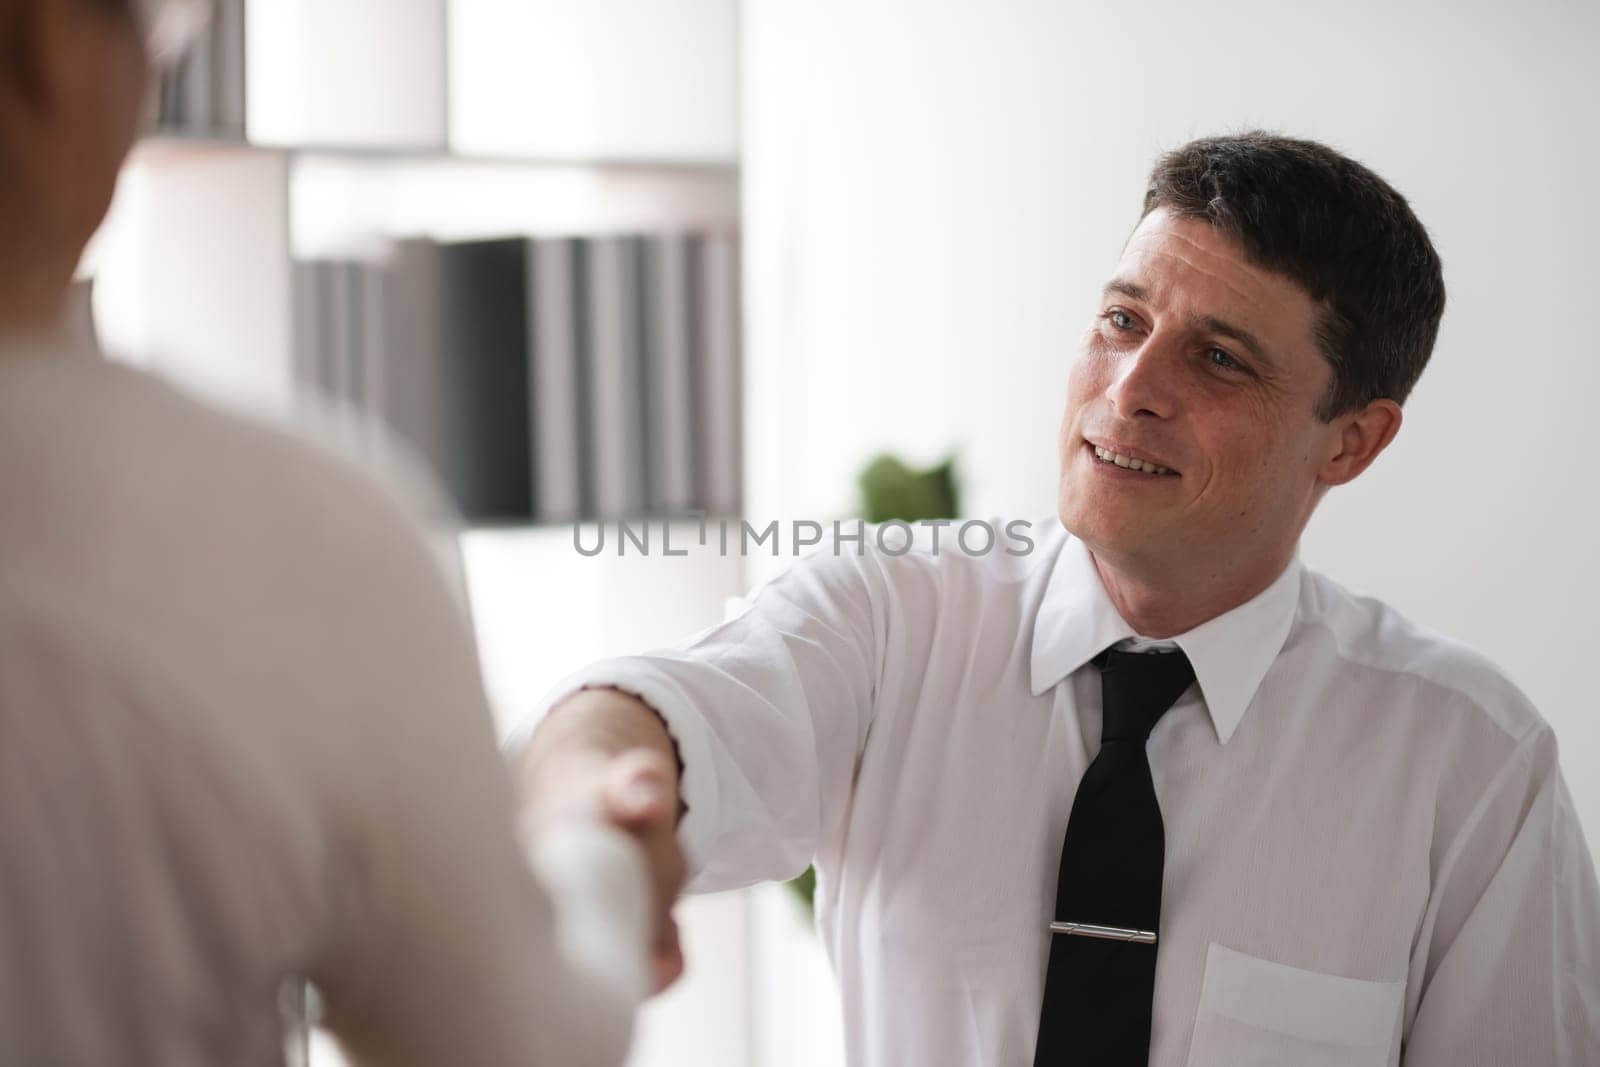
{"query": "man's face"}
pixel 1206 366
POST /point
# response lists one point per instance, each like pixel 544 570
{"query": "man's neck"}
pixel 1164 604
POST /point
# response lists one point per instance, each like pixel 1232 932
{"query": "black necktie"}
pixel 1102 976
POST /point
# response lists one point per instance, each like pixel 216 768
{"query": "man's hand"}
pixel 641 798
pixel 604 754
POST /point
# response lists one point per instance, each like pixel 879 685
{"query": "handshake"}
pixel 604 756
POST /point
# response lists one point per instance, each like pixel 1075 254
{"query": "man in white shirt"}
pixel 1355 844
pixel 243 738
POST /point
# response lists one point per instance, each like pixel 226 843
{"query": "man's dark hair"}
pixel 1337 230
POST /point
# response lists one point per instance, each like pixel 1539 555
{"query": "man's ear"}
pixel 1357 437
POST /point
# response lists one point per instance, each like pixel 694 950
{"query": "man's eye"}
pixel 1223 360
pixel 1120 319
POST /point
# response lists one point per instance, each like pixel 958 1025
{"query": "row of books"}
pixel 203 93
pixel 545 380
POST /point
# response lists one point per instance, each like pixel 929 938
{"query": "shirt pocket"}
pixel 1256 1013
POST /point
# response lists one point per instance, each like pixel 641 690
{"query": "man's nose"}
pixel 1144 382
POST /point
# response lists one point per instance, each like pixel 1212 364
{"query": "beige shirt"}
pixel 243 737
pixel 1371 856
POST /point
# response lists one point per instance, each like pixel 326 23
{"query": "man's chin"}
pixel 1106 531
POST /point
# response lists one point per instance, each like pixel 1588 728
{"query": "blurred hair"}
pixel 1336 229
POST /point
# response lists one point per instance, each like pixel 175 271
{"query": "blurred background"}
pixel 654 257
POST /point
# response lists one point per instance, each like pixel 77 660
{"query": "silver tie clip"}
pixel 1106 933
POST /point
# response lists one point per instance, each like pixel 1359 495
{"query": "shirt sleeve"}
pixel 442 946
pixel 769 711
pixel 1512 932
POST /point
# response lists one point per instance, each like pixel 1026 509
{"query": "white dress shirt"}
pixel 1371 856
pixel 243 737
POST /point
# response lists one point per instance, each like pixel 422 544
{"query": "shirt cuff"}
pixel 690 734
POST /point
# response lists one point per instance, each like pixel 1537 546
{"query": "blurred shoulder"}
pixel 117 460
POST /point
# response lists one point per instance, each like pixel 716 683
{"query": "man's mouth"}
pixel 1130 463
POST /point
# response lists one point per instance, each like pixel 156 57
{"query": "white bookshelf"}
pixel 192 268
pixel 348 148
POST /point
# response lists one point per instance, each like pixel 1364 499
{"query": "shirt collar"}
pixel 1231 653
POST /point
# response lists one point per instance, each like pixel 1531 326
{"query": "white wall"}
pixel 936 189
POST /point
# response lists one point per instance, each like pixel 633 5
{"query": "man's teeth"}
pixel 1108 456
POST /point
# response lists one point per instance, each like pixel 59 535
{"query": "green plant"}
pixel 892 490
pixel 805 887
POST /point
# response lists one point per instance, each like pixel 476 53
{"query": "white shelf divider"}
pixel 339 198
pixel 361 73
pixel 595 79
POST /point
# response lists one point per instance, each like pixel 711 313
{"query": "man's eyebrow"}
pixel 1223 328
pixel 1132 290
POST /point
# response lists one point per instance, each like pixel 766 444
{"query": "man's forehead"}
pixel 1179 258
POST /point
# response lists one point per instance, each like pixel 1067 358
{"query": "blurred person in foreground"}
pixel 243 738
pixel 1154 792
